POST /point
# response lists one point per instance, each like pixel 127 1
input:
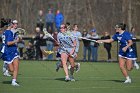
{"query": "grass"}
pixel 40 77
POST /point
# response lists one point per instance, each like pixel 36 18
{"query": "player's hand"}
pixel 124 49
pixel 19 39
pixel 99 41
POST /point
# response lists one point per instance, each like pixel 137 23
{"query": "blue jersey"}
pixel 123 41
pixel 65 41
pixel 9 52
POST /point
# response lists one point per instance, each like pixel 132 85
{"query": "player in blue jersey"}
pixel 126 52
pixel 10 54
pixel 67 48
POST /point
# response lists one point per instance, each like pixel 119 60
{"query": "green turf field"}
pixel 40 77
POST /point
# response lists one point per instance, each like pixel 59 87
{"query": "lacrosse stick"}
pixel 89 39
pixel 62 47
pixel 48 34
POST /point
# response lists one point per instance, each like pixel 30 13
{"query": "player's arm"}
pixel 130 43
pixel 105 41
pixel 13 42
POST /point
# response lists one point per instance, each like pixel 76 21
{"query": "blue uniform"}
pixel 123 41
pixel 66 42
pixel 9 52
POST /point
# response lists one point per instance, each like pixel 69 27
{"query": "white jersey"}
pixel 65 41
pixel 76 35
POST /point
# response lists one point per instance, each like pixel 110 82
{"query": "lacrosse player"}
pixel 67 51
pixel 10 55
pixel 126 52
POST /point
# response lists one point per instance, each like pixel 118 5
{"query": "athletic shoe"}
pixel 67 79
pixel 15 84
pixel 6 74
pixel 58 66
pixel 127 81
pixel 77 67
pixel 72 78
pixel 69 67
pixel 136 66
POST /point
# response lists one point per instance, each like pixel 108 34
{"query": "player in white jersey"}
pixel 67 48
pixel 76 34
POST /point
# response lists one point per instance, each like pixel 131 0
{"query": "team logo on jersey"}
pixel 119 38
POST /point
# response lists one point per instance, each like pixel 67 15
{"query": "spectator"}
pixel 50 21
pixel 107 46
pixel 86 46
pixel 40 20
pixel 50 45
pixel 38 53
pixel 59 18
pixel 93 46
pixel 30 51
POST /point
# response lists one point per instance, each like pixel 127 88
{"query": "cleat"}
pixel 6 74
pixel 127 81
pixel 136 66
pixel 72 78
pixel 77 67
pixel 67 79
pixel 15 84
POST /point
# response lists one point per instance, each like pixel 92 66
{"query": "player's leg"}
pixel 5 70
pixel 77 67
pixel 72 63
pixel 59 63
pixel 15 65
pixel 123 70
pixel 129 64
pixel 64 57
pixel 135 64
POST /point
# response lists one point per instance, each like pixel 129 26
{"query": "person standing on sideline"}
pixel 59 19
pixel 134 47
pixel 107 46
pixel 50 17
pixel 40 20
pixel 86 46
pixel 10 54
pixel 126 53
pixel 93 46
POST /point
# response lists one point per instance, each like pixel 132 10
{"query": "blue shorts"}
pixel 9 57
pixel 128 55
